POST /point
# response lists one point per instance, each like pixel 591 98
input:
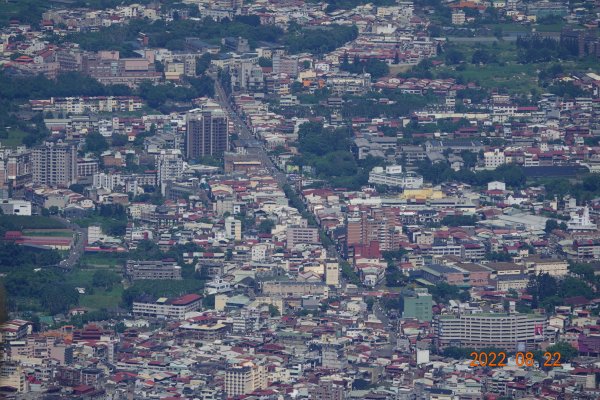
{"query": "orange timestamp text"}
pixel 493 359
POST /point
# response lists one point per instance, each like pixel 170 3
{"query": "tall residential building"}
pixel 169 166
pixel 233 228
pixel 55 164
pixel 207 134
pixel 417 304
pixel 245 379
pixel 15 167
pixel 382 225
pixel 285 65
pixel 332 273
pixel 512 332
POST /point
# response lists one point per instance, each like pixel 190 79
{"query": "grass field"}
pixel 102 299
pixel 515 78
pixel 506 74
pixel 14 139
pixel 99 298
pixel 104 259
pixel 20 222
pixel 514 27
pixel 396 69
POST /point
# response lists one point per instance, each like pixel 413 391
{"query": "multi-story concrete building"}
pixel 327 390
pixel 55 164
pixel 83 105
pixel 587 249
pixel 15 167
pixel 512 332
pixel 417 304
pixel 393 176
pixel 302 234
pixel 247 75
pixel 285 65
pixel 152 270
pixel 207 134
pixel 332 273
pixel 507 282
pixel 375 225
pixel 12 374
pixel 166 308
pixel 458 17
pixel 233 228
pixel 86 168
pixel 244 379
pixel 110 69
pixel 349 83
pixel 294 288
pixel 494 159
pixel 169 167
pixel 546 265
pixel 333 356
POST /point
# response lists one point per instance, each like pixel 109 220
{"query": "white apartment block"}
pixel 393 176
pixel 514 332
pixel 233 228
pixel 165 308
pixel 494 159
pixel 169 166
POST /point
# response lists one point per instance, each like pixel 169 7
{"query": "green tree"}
pixel 454 57
pixel 482 56
pixel 118 140
pixel 95 143
pixel 3 304
pixel 77 188
pixel 566 351
pixel 209 302
pixel 541 287
pixel 584 271
pixel 203 63
pixel 120 327
pixel 444 292
pixel 105 279
pixel 573 287
pixel 273 311
pixel 266 225
pixel 58 297
pixel 394 277
pixel 459 220
pixel 265 62
pixel 349 274
pixel 551 225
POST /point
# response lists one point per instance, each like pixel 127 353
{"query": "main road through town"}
pixel 78 247
pixel 243 131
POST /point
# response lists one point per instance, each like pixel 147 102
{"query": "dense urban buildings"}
pixel 299 200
